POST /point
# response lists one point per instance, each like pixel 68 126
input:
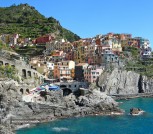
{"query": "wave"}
pixel 59 129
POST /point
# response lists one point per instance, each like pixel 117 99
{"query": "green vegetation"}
pixel 9 72
pixel 133 63
pixel 28 22
pixel 30 50
pixel 5 47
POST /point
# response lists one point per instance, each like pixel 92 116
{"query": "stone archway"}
pixel 13 66
pixel 21 90
pixel 1 63
pixel 24 75
pixel 66 91
pixel 6 64
pixel 29 73
pixel 27 90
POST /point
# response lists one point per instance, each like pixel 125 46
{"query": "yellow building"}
pixel 79 51
pixel 64 69
pixel 116 45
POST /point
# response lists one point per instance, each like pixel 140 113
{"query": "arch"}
pixel 66 91
pixel 24 73
pixel 13 66
pixel 27 90
pixel 6 64
pixel 29 73
pixel 1 63
pixel 21 90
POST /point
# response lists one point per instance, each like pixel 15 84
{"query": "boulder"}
pixel 135 111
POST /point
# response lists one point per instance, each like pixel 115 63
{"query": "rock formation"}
pixel 124 82
pixel 53 105
pixel 136 111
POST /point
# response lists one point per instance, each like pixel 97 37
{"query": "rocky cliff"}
pixel 53 105
pixel 124 82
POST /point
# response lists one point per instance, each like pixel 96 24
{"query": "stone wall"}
pixel 24 70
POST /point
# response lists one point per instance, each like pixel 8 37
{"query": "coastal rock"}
pixel 55 97
pixel 54 106
pixel 11 105
pixel 124 82
pixel 135 111
pixel 5 130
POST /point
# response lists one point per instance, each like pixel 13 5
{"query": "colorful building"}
pixel 44 39
pixel 64 69
pixel 116 45
pixel 109 57
pixel 91 73
pixel 57 56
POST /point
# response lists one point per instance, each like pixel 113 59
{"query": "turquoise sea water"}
pixel 125 124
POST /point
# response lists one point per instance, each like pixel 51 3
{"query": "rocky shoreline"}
pixel 15 112
pixel 132 96
pixel 117 85
pixel 17 127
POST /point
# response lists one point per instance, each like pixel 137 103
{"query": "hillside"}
pixel 28 22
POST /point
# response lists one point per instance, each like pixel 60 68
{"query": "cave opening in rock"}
pixel 140 85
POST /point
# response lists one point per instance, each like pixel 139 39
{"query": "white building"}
pixel 50 65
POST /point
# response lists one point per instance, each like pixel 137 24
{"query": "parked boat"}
pixel 54 87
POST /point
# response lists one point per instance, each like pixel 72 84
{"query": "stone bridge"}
pixel 24 70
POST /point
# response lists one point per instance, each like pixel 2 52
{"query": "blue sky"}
pixel 88 18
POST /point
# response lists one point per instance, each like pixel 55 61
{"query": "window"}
pixel 74 85
pixel 69 86
pixel 97 73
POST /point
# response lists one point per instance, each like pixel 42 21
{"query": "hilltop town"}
pixel 82 60
pixel 73 65
pixel 47 72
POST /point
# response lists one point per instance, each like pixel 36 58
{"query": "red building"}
pixel 44 39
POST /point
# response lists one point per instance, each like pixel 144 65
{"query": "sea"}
pixel 123 124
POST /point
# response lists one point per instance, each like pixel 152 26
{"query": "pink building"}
pixel 91 73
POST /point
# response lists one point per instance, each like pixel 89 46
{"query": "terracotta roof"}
pixel 55 55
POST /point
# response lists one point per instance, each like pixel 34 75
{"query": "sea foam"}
pixel 59 129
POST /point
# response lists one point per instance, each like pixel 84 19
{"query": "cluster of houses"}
pixel 14 40
pixel 90 56
pixel 85 59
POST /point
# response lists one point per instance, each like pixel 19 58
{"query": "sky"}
pixel 88 18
